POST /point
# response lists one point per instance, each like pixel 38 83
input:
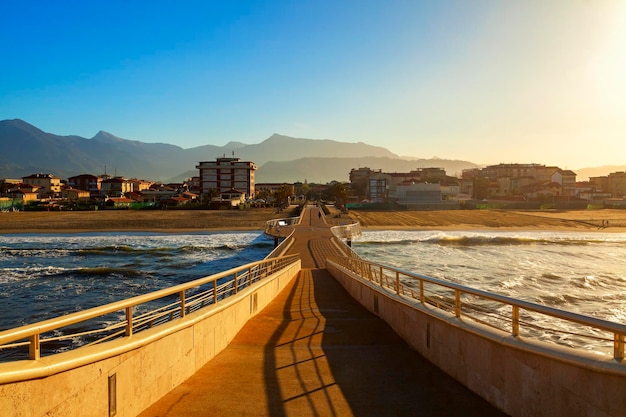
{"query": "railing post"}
pixel 422 297
pixel 249 276
pixel 34 348
pixel 618 347
pixel 457 303
pixel 235 282
pixel 398 282
pixel 515 320
pixel 129 321
pixel 380 276
pixel 182 303
pixel 214 291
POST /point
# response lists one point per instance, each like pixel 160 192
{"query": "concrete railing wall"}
pixel 142 368
pixel 520 377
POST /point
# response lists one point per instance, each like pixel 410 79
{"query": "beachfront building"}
pixel 116 187
pixel 524 179
pixel 273 187
pixel 75 194
pixel 617 184
pixel 87 182
pixel 47 185
pixel 226 174
pixel 422 186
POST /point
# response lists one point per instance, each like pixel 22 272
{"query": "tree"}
pixel 340 193
pixel 282 196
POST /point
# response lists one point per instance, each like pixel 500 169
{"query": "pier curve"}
pixel 315 351
pixel 319 344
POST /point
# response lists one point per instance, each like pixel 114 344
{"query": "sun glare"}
pixel 610 66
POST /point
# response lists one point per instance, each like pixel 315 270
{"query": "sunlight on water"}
pixel 579 272
pixel 44 276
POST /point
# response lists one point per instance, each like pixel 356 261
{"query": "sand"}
pixel 575 220
pixel 136 220
pixel 255 219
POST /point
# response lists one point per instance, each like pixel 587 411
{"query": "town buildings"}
pixel 519 180
pixel 506 183
pixel 420 188
pixel 230 182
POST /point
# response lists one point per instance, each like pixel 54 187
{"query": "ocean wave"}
pixel 29 273
pixel 106 271
pixel 484 241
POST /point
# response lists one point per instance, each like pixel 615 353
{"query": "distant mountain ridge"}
pixel 26 149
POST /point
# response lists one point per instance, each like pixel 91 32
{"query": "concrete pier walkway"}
pixel 314 351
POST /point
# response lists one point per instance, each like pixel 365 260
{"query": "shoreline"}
pixel 190 221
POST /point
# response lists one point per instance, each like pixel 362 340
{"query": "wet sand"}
pixel 254 219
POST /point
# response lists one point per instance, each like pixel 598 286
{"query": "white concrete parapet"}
pixel 522 377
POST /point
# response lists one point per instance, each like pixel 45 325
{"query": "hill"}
pixel 326 169
pixel 26 149
pixel 583 174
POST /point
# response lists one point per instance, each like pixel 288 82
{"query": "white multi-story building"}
pixel 226 174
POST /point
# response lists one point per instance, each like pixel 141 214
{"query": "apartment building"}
pixel 617 184
pixel 417 187
pixel 525 179
pixel 226 174
pixel 116 187
pixel 87 182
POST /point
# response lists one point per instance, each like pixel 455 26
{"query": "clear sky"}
pixel 487 81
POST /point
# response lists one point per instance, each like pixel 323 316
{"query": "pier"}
pixel 314 351
pixel 312 330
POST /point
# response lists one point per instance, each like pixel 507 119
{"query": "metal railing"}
pixel 280 227
pixel 505 313
pixel 130 316
pixel 348 231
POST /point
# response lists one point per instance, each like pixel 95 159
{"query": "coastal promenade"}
pixel 315 351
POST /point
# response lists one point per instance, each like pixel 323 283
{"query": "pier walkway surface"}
pixel 314 351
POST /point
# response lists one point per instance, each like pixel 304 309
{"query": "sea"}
pixel 48 275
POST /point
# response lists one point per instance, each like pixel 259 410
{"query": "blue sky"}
pixel 488 81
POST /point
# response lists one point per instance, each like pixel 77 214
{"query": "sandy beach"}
pixel 254 219
pixel 575 220
pixel 136 220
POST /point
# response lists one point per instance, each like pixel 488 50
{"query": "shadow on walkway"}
pixel 316 352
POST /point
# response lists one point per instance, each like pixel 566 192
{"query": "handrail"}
pixel 389 277
pixel 203 292
pixel 273 229
pixel 279 227
pixel 347 231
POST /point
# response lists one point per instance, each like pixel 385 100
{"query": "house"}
pixel 21 196
pixel 118 202
pixel 49 186
pixel 87 182
pixel 410 193
pixel 158 192
pixel 74 194
pixel 116 187
pixel 235 197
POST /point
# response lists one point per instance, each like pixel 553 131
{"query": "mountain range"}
pixel 25 150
